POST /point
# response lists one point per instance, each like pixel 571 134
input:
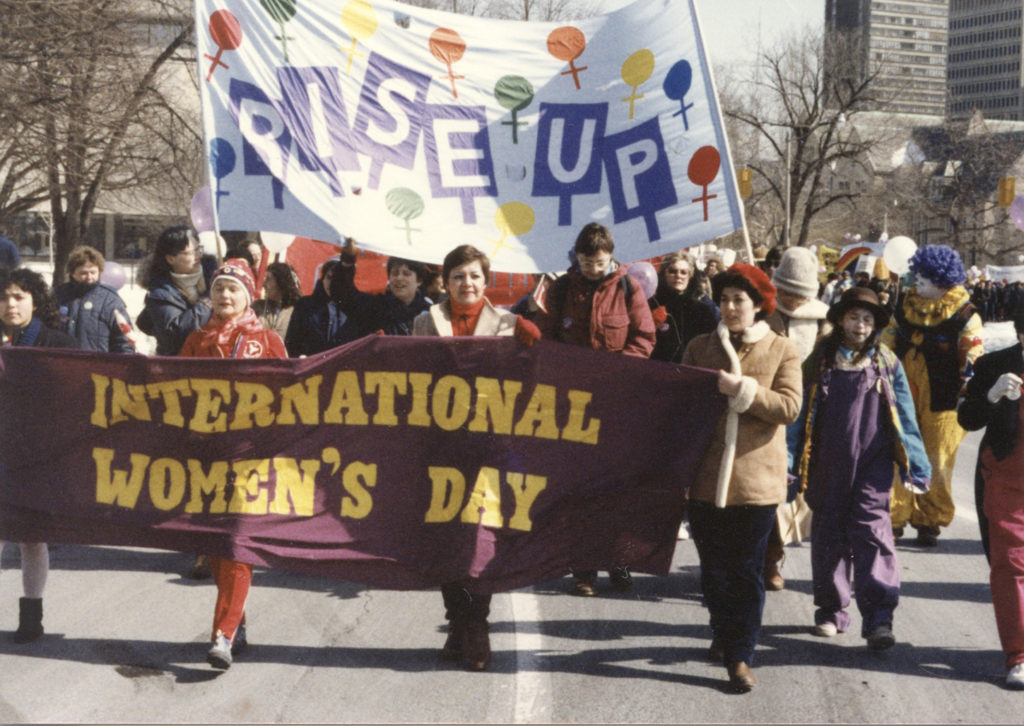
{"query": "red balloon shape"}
pixel 566 43
pixel 447 45
pixel 225 30
pixel 704 166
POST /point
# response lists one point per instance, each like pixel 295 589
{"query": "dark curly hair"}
pixel 940 264
pixel 170 242
pixel 33 283
pixel 287 282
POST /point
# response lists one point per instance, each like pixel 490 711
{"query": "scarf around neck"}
pixel 27 336
pixel 191 285
pixel 219 336
pixel 465 317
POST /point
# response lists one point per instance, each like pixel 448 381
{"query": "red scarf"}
pixel 220 336
pixel 465 317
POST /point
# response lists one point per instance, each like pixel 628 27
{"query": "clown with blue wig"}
pixel 936 333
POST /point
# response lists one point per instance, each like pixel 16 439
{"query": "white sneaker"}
pixel 684 531
pixel 219 655
pixel 825 630
pixel 1015 677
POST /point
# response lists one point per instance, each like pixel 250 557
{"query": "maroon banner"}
pixel 396 462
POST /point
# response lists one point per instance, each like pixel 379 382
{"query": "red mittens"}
pixel 526 332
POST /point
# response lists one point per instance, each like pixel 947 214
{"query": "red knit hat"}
pixel 747 277
pixel 238 270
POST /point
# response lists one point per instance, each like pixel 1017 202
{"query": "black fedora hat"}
pixel 863 297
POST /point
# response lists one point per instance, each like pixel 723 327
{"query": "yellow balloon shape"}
pixel 514 218
pixel 638 68
pixel 359 19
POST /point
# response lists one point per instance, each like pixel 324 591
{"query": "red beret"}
pixel 758 281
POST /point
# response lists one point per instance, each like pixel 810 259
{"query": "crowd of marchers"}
pixel 848 397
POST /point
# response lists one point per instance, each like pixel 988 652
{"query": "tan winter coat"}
pixel 437 320
pixel 769 399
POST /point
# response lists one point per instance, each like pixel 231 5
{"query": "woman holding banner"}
pixel 29 315
pixel 233 331
pixel 743 477
pixel 468 312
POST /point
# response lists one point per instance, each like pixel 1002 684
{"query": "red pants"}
pixel 233 580
pixel 1004 508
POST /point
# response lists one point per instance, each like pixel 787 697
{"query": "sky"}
pixel 732 27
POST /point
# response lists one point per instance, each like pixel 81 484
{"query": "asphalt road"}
pixel 127 634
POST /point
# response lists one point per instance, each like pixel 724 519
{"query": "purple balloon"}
pixel 113 275
pixel 645 275
pixel 201 210
pixel 1017 211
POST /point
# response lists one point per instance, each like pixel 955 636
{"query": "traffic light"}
pixel 743 179
pixel 1006 195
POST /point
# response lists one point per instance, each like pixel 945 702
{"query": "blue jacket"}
pixel 318 324
pixel 168 316
pixel 908 449
pixel 89 316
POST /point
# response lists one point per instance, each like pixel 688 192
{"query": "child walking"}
pixel 857 423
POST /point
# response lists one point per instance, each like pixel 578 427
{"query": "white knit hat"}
pixel 797 272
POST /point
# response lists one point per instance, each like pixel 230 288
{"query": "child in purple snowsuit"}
pixel 857 423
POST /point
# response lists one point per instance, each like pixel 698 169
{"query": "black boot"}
pixel 30 620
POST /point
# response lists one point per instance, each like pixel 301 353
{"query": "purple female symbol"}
pixel 676 85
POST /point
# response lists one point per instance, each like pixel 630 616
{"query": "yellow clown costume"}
pixel 937 341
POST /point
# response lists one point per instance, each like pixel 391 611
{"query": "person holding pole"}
pixel 743 477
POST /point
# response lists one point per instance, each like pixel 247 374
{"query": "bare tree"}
pixel 793 114
pixel 91 82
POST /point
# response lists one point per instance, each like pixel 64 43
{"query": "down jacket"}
pixel 89 315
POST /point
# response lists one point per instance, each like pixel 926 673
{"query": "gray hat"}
pixel 797 272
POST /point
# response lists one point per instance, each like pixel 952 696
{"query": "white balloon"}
pixel 276 242
pixel 897 253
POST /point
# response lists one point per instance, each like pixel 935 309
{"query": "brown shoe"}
pixel 740 677
pixel 452 650
pixel 477 645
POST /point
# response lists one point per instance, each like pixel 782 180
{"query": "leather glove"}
pixel 526 332
pixel 1008 385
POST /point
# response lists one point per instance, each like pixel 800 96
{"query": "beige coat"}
pixel 769 399
pixel 438 321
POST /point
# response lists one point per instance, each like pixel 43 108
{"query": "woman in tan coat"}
pixel 743 477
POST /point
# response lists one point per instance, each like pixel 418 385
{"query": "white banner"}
pixel 1012 273
pixel 415 130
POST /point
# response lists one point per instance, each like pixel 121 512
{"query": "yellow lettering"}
pixel 450 403
pixel 539 417
pixel 386 384
pixel 100 384
pixel 171 391
pixel 447 489
pixel 498 400
pixel 210 395
pixel 166 484
pixel 356 478
pixel 484 505
pixel 302 398
pixel 249 497
pixel 346 396
pixel 418 414
pixel 115 486
pixel 525 494
pixel 214 484
pixel 294 489
pixel 575 429
pixel 254 402
pixel 128 402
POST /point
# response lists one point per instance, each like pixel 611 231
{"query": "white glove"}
pixel 1008 385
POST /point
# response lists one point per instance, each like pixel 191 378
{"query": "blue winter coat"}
pixel 88 315
pixel 168 316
